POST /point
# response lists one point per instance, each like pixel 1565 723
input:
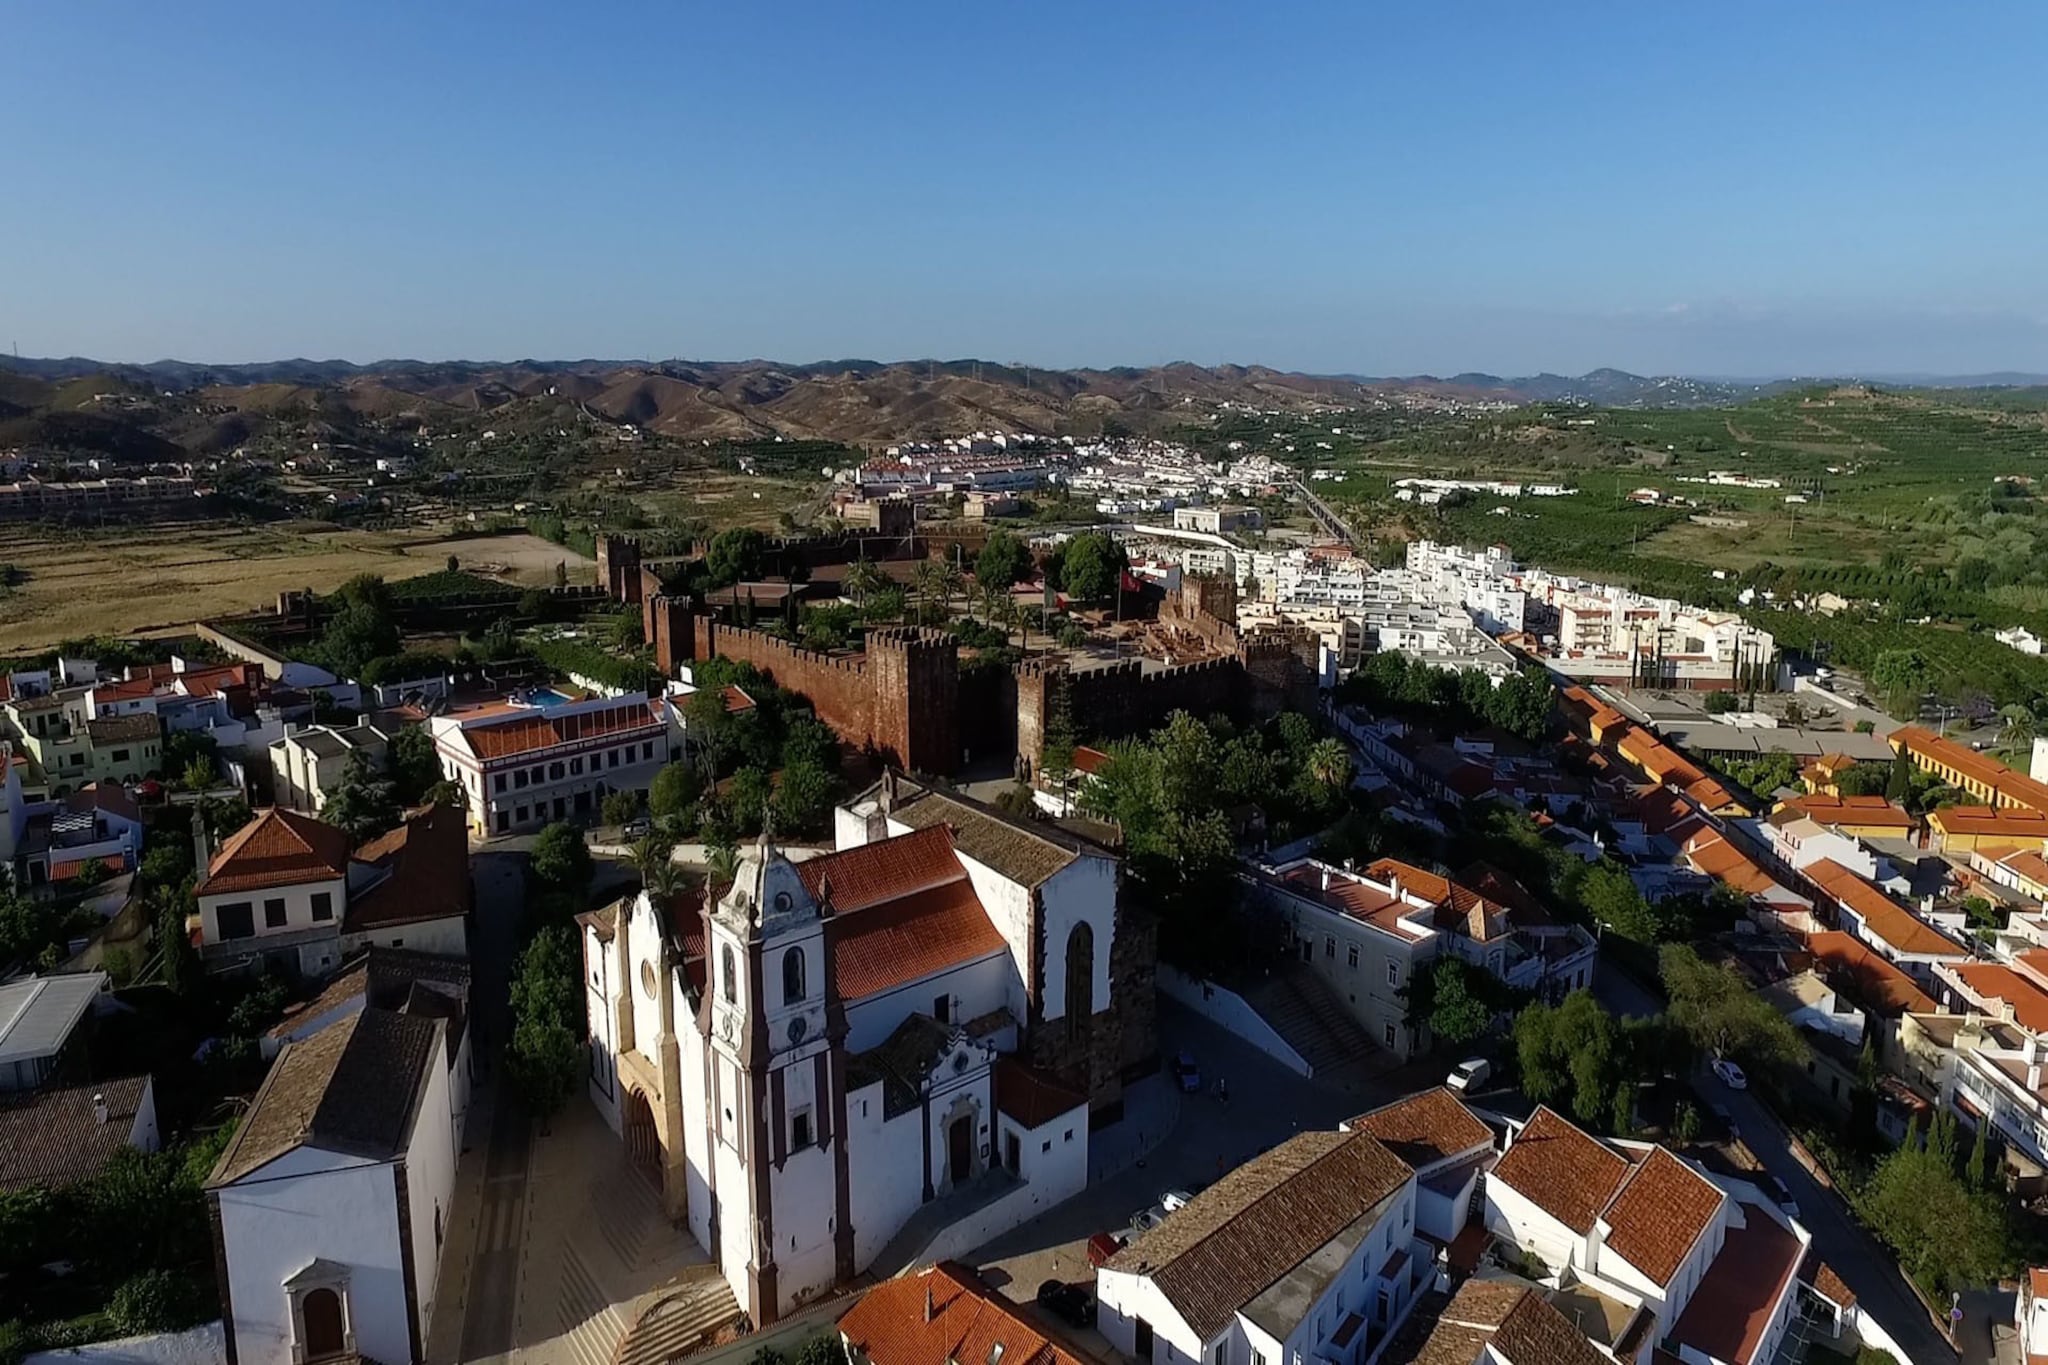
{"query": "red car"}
pixel 1102 1246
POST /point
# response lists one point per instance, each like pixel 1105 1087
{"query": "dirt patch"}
pixel 112 582
pixel 519 558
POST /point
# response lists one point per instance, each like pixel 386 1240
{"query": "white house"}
pixel 540 757
pixel 1307 1252
pixel 307 764
pixel 330 1204
pixel 1445 1144
pixel 1655 1243
pixel 833 1045
pixel 40 1016
pixel 285 888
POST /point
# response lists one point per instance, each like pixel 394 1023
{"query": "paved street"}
pixel 1863 1264
pixel 1268 1104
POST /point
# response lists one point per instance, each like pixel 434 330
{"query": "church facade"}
pixel 928 1013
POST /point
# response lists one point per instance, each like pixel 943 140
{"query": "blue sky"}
pixel 1727 188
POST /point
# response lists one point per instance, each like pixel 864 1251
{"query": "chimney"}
pixel 1326 876
pixel 99 1108
pixel 928 1314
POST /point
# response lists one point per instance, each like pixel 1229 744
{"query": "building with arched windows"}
pixel 904 1038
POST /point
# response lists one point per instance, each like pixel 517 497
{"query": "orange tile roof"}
pixel 1881 914
pixel 883 870
pixel 1869 811
pixel 528 733
pixel 1998 982
pixel 1660 1212
pixel 2014 788
pixel 1425 1128
pixel 1875 983
pixel 2028 864
pixel 277 848
pixel 1350 897
pixel 942 1315
pixel 1030 1096
pixel 736 699
pixel 1729 1312
pixel 1984 822
pixel 1712 855
pixel 428 861
pixel 1561 1170
pixel 912 936
pixel 1823 1278
pixel 1425 884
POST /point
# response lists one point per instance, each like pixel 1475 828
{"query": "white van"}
pixel 1469 1074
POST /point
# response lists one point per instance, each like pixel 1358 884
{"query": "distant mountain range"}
pixel 122 409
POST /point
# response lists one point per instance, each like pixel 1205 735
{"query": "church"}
pixel 927 1017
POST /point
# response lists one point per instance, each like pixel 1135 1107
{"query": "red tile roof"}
pixel 909 937
pixel 940 1316
pixel 1984 822
pixel 277 848
pixel 528 733
pixel 1425 1128
pixel 1869 811
pixel 427 858
pixel 883 870
pixel 1873 982
pixel 1030 1096
pixel 736 700
pixel 1728 1313
pixel 1561 1170
pixel 1828 1284
pixel 1661 1211
pixel 1994 981
pixel 1882 915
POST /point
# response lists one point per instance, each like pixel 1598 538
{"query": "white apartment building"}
pixel 306 765
pixel 525 763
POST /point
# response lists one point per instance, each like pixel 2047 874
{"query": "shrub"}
pixel 152 1301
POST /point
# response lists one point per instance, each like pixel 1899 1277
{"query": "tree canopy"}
pixel 547 1021
pixel 364 802
pixel 1090 566
pixel 1002 563
pixel 1721 1014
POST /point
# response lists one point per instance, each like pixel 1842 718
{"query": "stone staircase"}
pixel 679 1321
pixel 1308 1014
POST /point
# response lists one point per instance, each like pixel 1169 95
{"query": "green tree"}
pixel 674 791
pixel 654 860
pixel 364 802
pixel 823 1349
pixel 180 962
pixel 560 861
pixel 546 1022
pixel 1569 1055
pixel 1448 1000
pixel 804 797
pixel 1898 789
pixel 1721 1014
pixel 1002 563
pixel 1090 565
pixel 1947 1236
pixel 749 795
pixel 197 775
pixel 414 763
pixel 1864 779
pixel 2017 728
pixel 721 864
pixel 1900 675
pixel 864 578
pixel 1978 1172
pixel 734 556
pixel 1612 899
pixel 620 807
pixel 1328 764
pixel 1685 1125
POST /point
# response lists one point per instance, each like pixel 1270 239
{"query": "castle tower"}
pixel 915 675
pixel 781 1228
pixel 618 567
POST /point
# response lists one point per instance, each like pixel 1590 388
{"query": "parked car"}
pixel 1186 1074
pixel 1146 1219
pixel 1070 1303
pixel 1174 1199
pixel 1469 1074
pixel 1782 1192
pixel 1729 1074
pixel 639 827
pixel 1102 1246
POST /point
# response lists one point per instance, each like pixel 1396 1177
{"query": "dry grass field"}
pixel 112 581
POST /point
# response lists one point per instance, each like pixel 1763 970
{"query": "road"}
pixel 1864 1265
pixel 1855 1255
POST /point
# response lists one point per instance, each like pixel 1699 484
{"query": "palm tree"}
pixel 654 858
pixel 863 580
pixel 1329 763
pixel 722 861
pixel 2019 728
